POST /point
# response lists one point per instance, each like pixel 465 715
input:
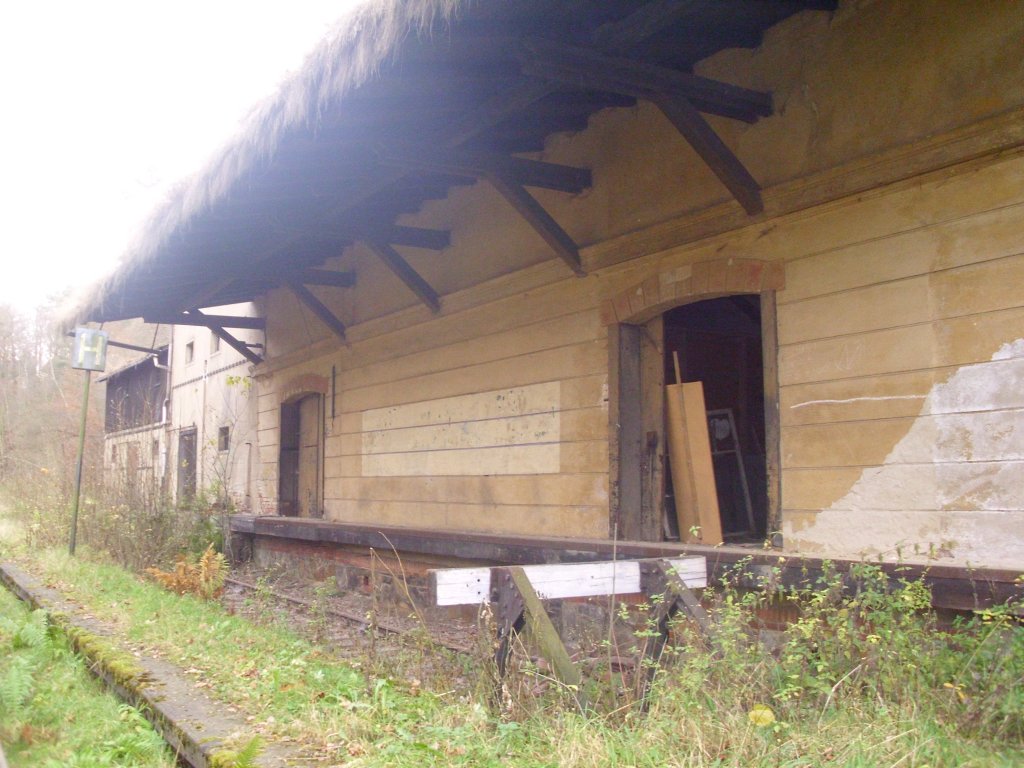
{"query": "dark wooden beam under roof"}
pixel 241 347
pixel 540 220
pixel 668 89
pixel 404 272
pixel 617 37
pixel 592 70
pixel 326 277
pixel 529 173
pixel 224 321
pixel 321 310
pixel 713 151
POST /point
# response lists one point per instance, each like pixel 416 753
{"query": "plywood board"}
pixel 693 475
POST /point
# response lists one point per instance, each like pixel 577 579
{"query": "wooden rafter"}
pixel 412 279
pixel 239 346
pixel 318 308
pixel 540 220
pixel 529 173
pixel 224 321
pixel 588 69
pixel 616 37
pixel 673 92
pixel 326 277
pixel 713 151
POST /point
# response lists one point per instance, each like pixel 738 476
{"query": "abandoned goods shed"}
pixel 480 234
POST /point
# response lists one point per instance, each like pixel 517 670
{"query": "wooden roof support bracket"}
pixel 529 173
pixel 207 321
pixel 540 220
pixel 674 93
pixel 713 151
pixel 239 346
pixel 318 308
pixel 400 267
pixel 618 37
pixel 328 277
pixel 592 70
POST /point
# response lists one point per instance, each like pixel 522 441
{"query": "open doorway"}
pixel 301 480
pixel 719 343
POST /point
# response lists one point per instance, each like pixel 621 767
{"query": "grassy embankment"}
pixel 53 714
pixel 863 681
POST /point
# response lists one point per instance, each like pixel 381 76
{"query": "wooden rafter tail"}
pixel 237 345
pixel 416 237
pixel 318 308
pixel 224 321
pixel 540 220
pixel 530 173
pixel 713 151
pixel 593 70
pixel 404 272
pixel 616 37
pixel 327 277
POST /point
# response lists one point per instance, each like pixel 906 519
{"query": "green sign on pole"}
pixel 89 350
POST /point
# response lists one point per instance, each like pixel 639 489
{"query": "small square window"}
pixel 190 352
pixel 214 343
pixel 223 438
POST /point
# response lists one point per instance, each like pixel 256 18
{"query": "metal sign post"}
pixel 88 353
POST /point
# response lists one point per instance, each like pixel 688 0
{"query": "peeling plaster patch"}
pixel 952 487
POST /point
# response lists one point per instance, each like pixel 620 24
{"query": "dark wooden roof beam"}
pixel 549 229
pixel 592 70
pixel 240 347
pixel 318 308
pixel 326 277
pixel 224 321
pixel 395 234
pixel 719 158
pixel 404 272
pixel 529 173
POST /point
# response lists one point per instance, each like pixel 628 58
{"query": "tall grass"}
pixel 865 676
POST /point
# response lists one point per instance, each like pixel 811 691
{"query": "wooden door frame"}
pixel 634 315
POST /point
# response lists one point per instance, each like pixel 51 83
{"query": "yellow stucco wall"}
pixel 900 323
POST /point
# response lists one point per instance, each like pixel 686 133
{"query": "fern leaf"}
pixel 16 684
pixel 247 755
pixel 32 632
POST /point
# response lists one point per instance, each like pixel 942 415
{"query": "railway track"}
pixel 358 620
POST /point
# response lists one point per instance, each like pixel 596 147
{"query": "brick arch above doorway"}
pixel 692 282
pixel 304 384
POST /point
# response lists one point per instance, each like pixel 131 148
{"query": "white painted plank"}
pixel 472 586
pixel 462 586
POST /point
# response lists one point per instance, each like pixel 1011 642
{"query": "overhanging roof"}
pixel 406 100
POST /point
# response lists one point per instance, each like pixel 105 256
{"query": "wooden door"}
pixel 309 456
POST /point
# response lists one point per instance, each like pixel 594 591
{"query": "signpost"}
pixel 88 353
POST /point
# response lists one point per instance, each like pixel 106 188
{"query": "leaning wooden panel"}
pixel 693 475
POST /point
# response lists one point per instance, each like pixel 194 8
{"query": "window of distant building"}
pixel 214 343
pixel 223 438
pixel 190 352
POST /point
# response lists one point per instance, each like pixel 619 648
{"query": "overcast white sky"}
pixel 106 104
